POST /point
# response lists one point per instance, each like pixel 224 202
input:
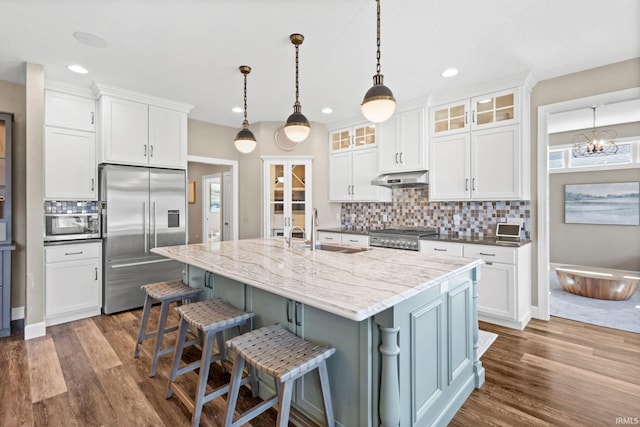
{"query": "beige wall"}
pixel 12 100
pixel 610 78
pixel 34 307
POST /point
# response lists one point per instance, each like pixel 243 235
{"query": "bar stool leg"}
pixel 234 389
pixel 205 364
pixel 177 355
pixel 164 311
pixel 143 323
pixel 326 393
pixel 284 405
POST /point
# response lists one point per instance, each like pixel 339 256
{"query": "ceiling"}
pixel 190 50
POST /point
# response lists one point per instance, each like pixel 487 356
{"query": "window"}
pixel 628 156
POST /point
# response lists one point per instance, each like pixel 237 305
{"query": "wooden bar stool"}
pixel 165 293
pixel 210 318
pixel 284 356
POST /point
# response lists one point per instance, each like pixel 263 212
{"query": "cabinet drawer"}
pixel 71 252
pixel 324 237
pixel 355 239
pixel 491 253
pixel 446 248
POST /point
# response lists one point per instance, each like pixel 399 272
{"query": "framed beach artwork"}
pixel 616 203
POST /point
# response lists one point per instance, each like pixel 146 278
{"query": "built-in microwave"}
pixel 73 226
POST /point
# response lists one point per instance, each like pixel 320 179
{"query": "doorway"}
pixel 543 252
pixel 214 208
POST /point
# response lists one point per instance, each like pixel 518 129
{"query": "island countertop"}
pixel 355 286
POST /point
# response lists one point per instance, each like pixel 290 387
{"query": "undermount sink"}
pixel 333 248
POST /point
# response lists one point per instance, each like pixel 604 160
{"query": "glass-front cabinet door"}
pixel 450 118
pixel 287 190
pixel 361 136
pixel 496 109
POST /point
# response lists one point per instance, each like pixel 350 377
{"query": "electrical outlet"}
pixel 385 218
pixel 337 217
pixel 519 221
pixel 456 219
pixel 353 217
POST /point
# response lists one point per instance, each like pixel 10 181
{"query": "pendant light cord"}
pixel 378 39
pixel 297 87
pixel 245 97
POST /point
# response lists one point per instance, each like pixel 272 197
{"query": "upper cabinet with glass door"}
pixel 480 112
pixel 362 136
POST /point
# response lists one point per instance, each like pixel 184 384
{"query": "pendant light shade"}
pixel 297 126
pixel 378 103
pixel 245 141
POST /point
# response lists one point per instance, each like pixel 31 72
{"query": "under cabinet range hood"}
pixel 402 179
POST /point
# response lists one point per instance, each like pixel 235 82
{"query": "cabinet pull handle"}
pixel 73 253
pixel 396 158
pixel 298 321
pixel 440 250
pixel 328 238
pixel 96 269
pixel 482 253
pixel 353 190
pixel 145 150
pixel 466 117
pixel 151 151
pixel 92 118
pixel 93 184
pixel 488 262
pixel 466 184
pixel 288 310
pixel 473 184
pixel 353 241
pixel 473 116
pixel 401 159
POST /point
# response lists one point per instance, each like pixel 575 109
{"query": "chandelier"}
pixel 594 143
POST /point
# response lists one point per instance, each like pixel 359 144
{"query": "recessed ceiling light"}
pixel 90 39
pixel 237 109
pixel 449 72
pixel 78 69
pixel 327 110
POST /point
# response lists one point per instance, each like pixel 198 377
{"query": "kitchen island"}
pixel 403 323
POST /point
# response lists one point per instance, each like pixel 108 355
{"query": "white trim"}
pixel 17 313
pixel 234 174
pixel 100 89
pixel 72 90
pixel 35 330
pixel 544 111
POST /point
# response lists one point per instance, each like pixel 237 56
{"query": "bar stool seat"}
pixel 210 318
pixel 284 356
pixel 165 293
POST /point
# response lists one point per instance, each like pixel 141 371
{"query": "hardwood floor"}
pixel 559 373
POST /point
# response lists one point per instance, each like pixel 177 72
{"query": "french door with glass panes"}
pixel 287 196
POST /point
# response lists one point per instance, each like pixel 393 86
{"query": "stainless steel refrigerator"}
pixel 143 208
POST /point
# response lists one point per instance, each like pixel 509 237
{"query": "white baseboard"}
pixel 35 330
pixel 17 313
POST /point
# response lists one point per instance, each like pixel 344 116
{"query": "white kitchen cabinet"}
pixel 73 282
pixel 402 143
pixel 70 171
pixel 135 133
pixel 480 112
pixel 353 164
pixel 69 111
pixel 343 238
pixel 504 288
pixel 481 165
pixel 479 149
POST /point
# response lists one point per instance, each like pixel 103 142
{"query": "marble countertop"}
pixel 344 230
pixel 477 240
pixel 355 286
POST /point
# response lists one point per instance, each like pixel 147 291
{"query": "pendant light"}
pixel 297 127
pixel 245 141
pixel 378 103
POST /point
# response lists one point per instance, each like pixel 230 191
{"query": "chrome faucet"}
pixel 314 229
pixel 290 238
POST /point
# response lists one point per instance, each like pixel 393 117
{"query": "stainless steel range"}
pixel 400 238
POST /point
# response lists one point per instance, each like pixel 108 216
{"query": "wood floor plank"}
pixel 54 411
pixel 96 346
pixel 15 399
pixel 45 374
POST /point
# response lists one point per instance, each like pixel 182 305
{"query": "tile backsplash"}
pixel 71 206
pixel 411 207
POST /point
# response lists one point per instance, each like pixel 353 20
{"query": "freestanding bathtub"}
pixel 596 282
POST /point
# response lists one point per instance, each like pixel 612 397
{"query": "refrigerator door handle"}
pixel 145 228
pixel 155 230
